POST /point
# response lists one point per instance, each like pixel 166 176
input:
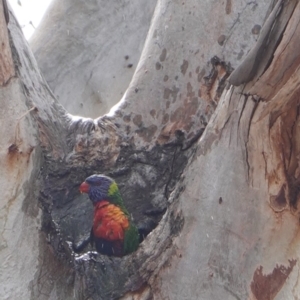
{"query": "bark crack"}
pixel 291 139
pixel 243 107
pixel 256 102
pixel 266 164
pixel 247 161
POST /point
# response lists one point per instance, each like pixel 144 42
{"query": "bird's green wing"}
pixel 116 198
pixel 131 239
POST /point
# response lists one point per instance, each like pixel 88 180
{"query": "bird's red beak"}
pixel 84 187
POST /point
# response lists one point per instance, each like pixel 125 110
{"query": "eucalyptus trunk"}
pixel 204 144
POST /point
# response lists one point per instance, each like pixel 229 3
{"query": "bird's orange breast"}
pixel 110 222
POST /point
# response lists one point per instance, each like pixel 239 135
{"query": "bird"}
pixel 113 232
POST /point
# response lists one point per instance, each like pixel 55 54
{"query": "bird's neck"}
pixel 100 204
pixel 115 197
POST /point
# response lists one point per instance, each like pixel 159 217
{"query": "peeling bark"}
pixel 267 286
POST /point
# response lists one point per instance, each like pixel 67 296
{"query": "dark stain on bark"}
pixel 228 7
pixel 127 118
pixel 279 202
pixel 147 133
pixel 256 29
pixel 211 77
pixel 13 148
pixel 16 155
pixel 184 66
pixel 266 287
pixel 171 92
pixel 240 55
pixel 190 92
pixel 158 66
pixel 166 78
pixel 221 39
pixel 167 93
pixel 163 55
pixel 153 112
pixel 137 120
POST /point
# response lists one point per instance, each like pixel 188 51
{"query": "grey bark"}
pixel 216 170
pixel 95 44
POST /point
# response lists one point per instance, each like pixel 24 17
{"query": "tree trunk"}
pixel 208 155
pixel 96 44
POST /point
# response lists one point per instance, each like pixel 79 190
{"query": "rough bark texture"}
pixel 216 169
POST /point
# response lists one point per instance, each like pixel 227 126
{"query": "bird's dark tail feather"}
pixel 79 247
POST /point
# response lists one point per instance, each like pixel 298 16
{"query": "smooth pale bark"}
pixel 89 50
pixel 226 204
pixel 244 224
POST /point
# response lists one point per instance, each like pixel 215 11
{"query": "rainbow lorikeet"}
pixel 113 231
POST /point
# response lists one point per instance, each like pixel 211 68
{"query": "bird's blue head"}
pixel 99 187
